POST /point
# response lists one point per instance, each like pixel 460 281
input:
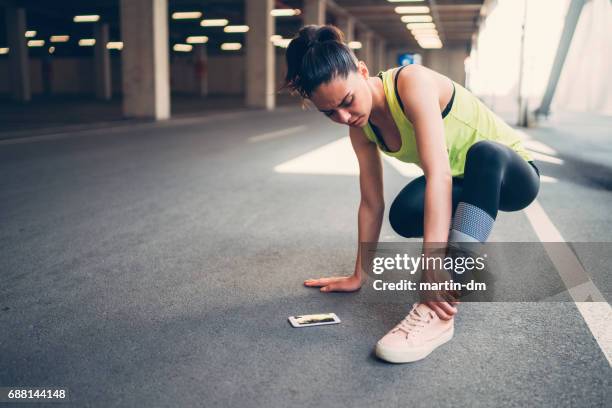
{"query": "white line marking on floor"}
pixel 597 314
pixel 540 147
pixel 548 179
pixel 276 134
pixel 546 158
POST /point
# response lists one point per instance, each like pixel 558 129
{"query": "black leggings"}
pixel 495 178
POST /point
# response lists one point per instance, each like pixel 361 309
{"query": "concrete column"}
pixel 19 65
pixel 347 25
pixel 102 66
pixel 260 55
pixel 145 62
pixel 201 69
pixel 381 55
pixel 367 53
pixel 314 12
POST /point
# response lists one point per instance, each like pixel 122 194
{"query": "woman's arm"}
pixel 370 214
pixel 420 96
pixel 372 203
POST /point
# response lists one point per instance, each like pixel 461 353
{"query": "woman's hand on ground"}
pixel 336 283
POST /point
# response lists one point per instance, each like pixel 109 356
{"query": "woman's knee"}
pixel 406 212
pixel 487 155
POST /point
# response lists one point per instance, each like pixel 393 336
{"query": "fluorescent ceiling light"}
pixel 417 19
pixel 412 9
pixel 231 46
pixel 87 42
pixel 416 31
pixel 91 18
pixel 51 50
pixel 236 28
pixel 355 45
pixel 285 12
pixel 283 42
pixel 186 15
pixel 424 40
pixel 197 39
pixel 214 22
pixel 412 26
pixel 59 38
pixel 4 51
pixel 30 33
pixel 433 44
pixel 114 45
pixel 36 43
pixel 182 47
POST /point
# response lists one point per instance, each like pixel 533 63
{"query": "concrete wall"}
pixel 447 61
pixel 74 76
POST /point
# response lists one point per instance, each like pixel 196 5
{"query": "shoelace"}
pixel 413 321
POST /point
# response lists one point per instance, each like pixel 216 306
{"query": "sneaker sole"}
pixel 415 354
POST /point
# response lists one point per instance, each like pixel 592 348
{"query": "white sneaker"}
pixel 415 337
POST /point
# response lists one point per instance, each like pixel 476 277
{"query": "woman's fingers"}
pixel 322 281
pixel 439 311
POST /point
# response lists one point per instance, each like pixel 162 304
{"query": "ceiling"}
pixel 455 20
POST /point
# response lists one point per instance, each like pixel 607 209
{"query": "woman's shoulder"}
pixel 414 75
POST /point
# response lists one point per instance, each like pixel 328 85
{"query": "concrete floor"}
pixel 156 265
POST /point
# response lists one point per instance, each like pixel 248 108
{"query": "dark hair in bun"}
pixel 315 56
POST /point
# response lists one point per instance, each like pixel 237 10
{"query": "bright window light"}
pixel 182 47
pixel 231 46
pixel 114 45
pixel 355 45
pixel 412 10
pixel 285 12
pixel 236 29
pixel 214 22
pixel 59 38
pixel 4 51
pixel 417 19
pixel 30 33
pixel 412 26
pixel 197 39
pixel 186 15
pixel 51 50
pixel 92 18
pixel 87 42
pixel 36 43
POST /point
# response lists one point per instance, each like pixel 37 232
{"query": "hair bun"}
pixel 329 33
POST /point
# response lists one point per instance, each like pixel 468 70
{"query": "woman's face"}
pixel 346 100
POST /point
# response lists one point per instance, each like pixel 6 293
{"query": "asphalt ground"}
pixel 156 265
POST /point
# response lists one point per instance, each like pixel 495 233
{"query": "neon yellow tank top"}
pixel 469 121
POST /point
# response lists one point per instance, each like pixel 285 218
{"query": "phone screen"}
pixel 314 318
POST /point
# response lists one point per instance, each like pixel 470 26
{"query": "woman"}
pixel 473 164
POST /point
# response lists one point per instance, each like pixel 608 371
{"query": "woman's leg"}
pixel 407 212
pixel 495 178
